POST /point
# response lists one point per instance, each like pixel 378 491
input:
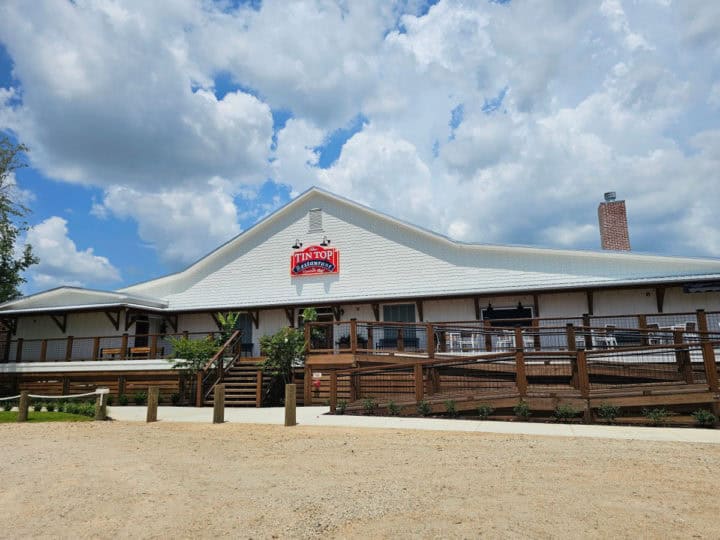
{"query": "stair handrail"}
pixel 204 373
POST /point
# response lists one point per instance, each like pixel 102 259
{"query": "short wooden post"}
pixel 682 357
pixel 583 376
pixel 69 348
pixel 96 348
pixel 18 350
pixel 536 333
pixel 199 389
pixel 65 385
pixel 101 407
pixel 152 403
pixel 371 338
pixel 121 385
pixel 708 352
pixel 258 387
pixel 353 336
pixel 219 404
pixel 419 386
pixel 354 387
pixel 430 338
pixel 290 405
pixel 23 406
pixel 333 391
pixel 124 346
pixel 43 350
pixel 401 339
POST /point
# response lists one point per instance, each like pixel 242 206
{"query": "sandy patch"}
pixel 164 480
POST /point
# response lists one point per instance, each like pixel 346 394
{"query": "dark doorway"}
pixel 508 317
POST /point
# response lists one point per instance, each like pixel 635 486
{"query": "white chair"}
pixel 452 341
pixel 505 341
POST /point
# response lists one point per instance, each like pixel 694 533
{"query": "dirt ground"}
pixel 164 480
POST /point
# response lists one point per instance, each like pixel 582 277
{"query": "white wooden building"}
pixel 374 267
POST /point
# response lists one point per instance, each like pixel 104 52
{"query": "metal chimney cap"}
pixel 610 196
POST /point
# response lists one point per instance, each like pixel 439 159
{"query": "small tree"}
pixel 12 223
pixel 283 351
pixel 191 355
pixel 228 323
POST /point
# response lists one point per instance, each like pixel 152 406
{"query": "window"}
pixel 520 316
pixel 399 313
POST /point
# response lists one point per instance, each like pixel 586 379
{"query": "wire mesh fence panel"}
pixel 549 371
pixel 618 368
pixel 460 339
pixel 713 323
pixel 386 384
pixel 56 349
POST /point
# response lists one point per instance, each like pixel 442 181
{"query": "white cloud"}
pixel 182 224
pixel 596 98
pixel 61 262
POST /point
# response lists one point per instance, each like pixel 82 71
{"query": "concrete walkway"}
pixel 315 416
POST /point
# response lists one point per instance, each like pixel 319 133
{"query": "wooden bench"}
pixel 110 352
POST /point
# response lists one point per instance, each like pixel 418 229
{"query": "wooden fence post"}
pixel 199 389
pixel 521 376
pixel 642 325
pixel 488 335
pixel 153 346
pixel 258 387
pixel 290 405
pixel 124 346
pixel 583 376
pixel 152 403
pixel 708 351
pixel 101 407
pixel 43 350
pixel 588 331
pixel 401 339
pixel 307 387
pixel 307 331
pixel 682 357
pixel 18 350
pixel 353 336
pixel 23 406
pixel 219 404
pixel 570 337
pixel 419 387
pixel 430 339
pixel 333 391
pixel 96 348
pixel 69 348
pixel 371 338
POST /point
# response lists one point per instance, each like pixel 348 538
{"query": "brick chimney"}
pixel 613 224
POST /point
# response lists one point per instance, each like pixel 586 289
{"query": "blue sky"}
pixel 159 131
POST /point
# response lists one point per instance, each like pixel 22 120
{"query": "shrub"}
pixel 37 406
pixel 50 406
pixel 393 409
pixel 139 398
pixel 608 412
pixel 109 400
pixel 484 411
pixel 7 405
pixel 564 413
pixel 522 410
pixel 369 404
pixel 72 407
pixel 704 418
pixel 341 406
pixel 656 416
pixel 423 408
pixel 175 398
pixel 87 409
pixel 451 408
pixel 123 399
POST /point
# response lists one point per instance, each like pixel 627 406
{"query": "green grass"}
pixel 11 416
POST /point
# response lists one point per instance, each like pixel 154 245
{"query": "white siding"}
pixel 678 301
pixel 622 302
pixel 563 304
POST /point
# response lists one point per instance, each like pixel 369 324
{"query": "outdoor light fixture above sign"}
pixel 315 260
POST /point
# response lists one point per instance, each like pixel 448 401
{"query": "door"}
pixel 399 313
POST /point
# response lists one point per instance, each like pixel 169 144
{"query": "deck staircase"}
pixel 241 386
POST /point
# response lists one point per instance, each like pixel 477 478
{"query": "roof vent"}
pixel 610 196
pixel 315 220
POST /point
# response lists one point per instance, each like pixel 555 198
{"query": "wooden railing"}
pixel 215 369
pixel 71 348
pixel 470 337
pixel 684 362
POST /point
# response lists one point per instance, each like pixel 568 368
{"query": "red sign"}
pixel 315 260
